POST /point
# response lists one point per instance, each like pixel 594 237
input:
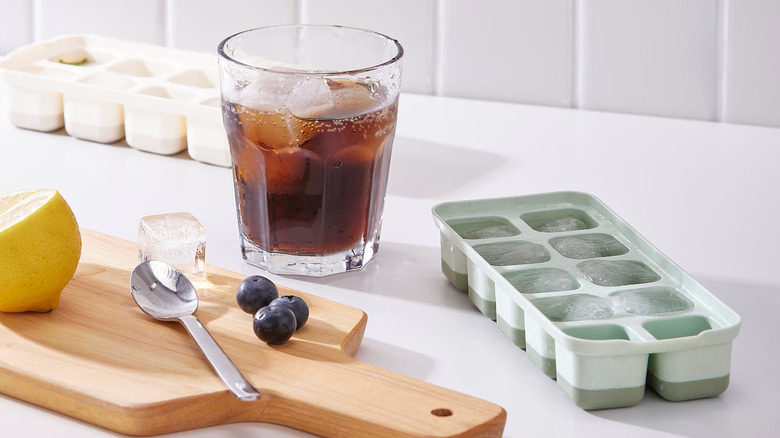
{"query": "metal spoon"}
pixel 164 293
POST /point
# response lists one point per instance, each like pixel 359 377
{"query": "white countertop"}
pixel 706 194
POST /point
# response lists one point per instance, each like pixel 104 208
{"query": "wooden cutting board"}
pixel 99 358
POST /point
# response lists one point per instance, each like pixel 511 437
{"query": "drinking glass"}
pixel 310 115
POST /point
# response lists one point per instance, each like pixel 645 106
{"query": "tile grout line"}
pixel 576 54
pixel 436 47
pixel 31 28
pixel 721 91
pixel 165 22
pixel 35 12
pixel 299 12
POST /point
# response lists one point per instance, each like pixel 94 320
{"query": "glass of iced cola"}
pixel 310 115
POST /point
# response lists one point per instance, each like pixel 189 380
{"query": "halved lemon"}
pixel 40 247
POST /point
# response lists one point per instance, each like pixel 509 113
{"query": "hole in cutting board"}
pixel 441 412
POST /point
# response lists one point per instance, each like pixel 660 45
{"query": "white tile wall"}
pixel 656 57
pixel 15 24
pixel 201 24
pixel 408 21
pixel 138 20
pixel 507 50
pixel 700 59
pixel 753 60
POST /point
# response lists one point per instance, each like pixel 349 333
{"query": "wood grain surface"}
pixel 99 358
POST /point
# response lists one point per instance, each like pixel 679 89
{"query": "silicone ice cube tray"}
pixel 159 99
pixel 592 302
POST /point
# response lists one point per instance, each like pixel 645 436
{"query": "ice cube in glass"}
pixel 175 238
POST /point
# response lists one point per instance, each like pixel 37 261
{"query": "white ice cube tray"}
pixel 600 358
pixel 159 99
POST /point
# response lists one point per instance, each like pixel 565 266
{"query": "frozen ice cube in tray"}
pixel 575 307
pixel 533 281
pixel 617 272
pixel 557 221
pixel 594 304
pixel 586 246
pixel 650 301
pixel 484 228
pixel 513 253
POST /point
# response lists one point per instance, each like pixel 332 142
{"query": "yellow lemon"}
pixel 40 247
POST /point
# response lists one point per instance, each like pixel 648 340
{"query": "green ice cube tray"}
pixel 654 325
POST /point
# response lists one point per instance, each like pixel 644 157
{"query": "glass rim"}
pixel 399 50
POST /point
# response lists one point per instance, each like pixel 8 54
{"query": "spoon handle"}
pixel 222 364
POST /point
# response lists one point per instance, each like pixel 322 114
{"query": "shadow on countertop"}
pixel 431 170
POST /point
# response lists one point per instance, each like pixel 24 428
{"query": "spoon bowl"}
pixel 164 293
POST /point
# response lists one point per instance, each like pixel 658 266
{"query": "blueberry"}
pixel 255 292
pixel 297 305
pixel 274 324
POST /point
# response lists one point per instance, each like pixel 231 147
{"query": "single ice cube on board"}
pixel 650 301
pixel 617 272
pixel 485 229
pixel 175 238
pixel 542 280
pixel 578 307
pixel 588 246
pixel 513 253
pixel 568 223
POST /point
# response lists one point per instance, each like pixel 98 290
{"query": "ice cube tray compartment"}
pixel 604 313
pixel 160 100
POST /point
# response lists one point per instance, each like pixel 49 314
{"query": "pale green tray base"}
pixel 680 391
pixel 488 308
pixel 460 281
pixel 545 364
pixel 515 335
pixel 586 398
pixel 591 399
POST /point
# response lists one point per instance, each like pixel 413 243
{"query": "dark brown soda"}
pixel 312 184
